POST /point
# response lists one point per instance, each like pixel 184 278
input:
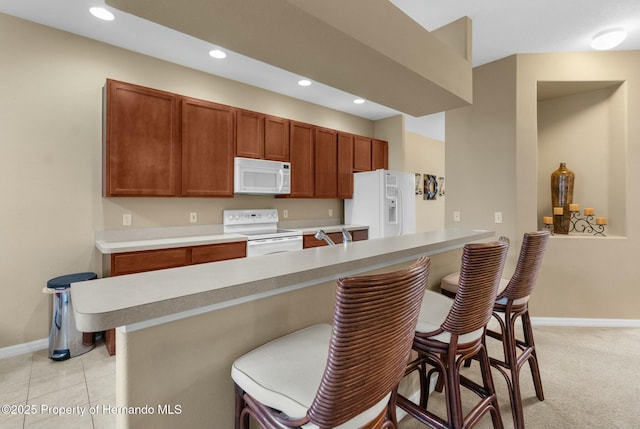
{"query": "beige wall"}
pixel 50 160
pixel 425 155
pixel 492 161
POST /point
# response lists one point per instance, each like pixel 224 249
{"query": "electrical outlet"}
pixel 497 217
pixel 285 213
pixel 126 219
pixel 330 212
pixel 193 217
pixel 456 216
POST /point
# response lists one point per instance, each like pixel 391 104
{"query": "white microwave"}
pixel 259 176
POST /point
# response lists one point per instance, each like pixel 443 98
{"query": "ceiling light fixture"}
pixel 218 54
pixel 102 13
pixel 359 101
pixel 608 39
pixel 304 82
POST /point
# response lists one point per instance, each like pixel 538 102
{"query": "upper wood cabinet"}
pixel 301 146
pixel 276 138
pixel 345 165
pixel 142 142
pixel 207 149
pixel 261 136
pixel 249 134
pixel 161 144
pixel 379 154
pixel 326 163
pixel 361 153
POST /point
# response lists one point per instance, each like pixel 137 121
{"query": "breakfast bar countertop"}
pixel 123 300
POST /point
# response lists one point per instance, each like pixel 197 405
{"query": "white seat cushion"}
pixel 285 373
pixel 433 311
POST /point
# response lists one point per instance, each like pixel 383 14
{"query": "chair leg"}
pixel 533 359
pixel 241 419
pixel 452 393
pixel 487 379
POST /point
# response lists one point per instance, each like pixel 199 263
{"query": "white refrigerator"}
pixel 385 201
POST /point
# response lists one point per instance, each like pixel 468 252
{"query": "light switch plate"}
pixel 456 216
pixel 497 217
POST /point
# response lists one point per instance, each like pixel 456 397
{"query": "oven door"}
pixel 273 245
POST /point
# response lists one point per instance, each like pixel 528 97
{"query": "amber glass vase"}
pixel 561 196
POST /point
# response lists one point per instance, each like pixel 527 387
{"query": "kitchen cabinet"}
pixel 276 138
pixel 207 149
pixel 361 154
pixel 249 134
pixel 301 146
pixel 262 136
pixel 309 240
pixel 164 145
pixel 379 154
pixel 326 163
pixel 141 153
pixel 151 260
pixel 345 165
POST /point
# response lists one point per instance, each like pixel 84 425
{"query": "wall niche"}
pixel 584 125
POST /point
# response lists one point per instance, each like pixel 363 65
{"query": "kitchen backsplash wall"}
pixel 158 212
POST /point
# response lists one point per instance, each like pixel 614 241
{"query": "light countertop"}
pixel 131 240
pixel 122 300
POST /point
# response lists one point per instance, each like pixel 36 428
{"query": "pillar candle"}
pixel 574 207
pixel 601 221
pixel 558 210
pixel 589 211
pixel 548 220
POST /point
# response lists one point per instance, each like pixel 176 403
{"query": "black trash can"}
pixel 65 341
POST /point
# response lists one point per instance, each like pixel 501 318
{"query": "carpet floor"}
pixel 589 377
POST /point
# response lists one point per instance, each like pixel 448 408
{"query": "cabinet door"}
pixel 361 153
pixel 309 240
pixel 218 252
pixel 345 165
pixel 276 139
pixel 148 260
pixel 302 163
pixel 249 134
pixel 326 163
pixel 142 147
pixel 207 149
pixel 379 154
pixel 360 234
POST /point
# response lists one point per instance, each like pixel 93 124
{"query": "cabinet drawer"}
pixel 148 260
pixel 218 252
pixel 360 234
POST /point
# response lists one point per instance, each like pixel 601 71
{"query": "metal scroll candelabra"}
pixel 587 223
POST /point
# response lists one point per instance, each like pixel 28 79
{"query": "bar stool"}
pixel 341 376
pixel 449 331
pixel 512 302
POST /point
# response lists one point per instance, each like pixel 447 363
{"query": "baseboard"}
pixel 20 349
pixel 585 322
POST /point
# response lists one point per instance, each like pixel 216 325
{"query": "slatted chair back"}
pixel 525 275
pixel 373 327
pixel 481 269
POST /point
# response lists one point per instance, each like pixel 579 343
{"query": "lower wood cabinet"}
pixel 309 240
pixel 150 260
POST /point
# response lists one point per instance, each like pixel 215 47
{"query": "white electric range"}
pixel 260 226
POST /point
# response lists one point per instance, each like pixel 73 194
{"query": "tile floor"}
pixel 48 388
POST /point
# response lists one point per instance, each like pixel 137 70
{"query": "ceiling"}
pixel 500 28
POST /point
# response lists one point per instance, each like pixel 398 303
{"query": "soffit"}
pixel 365 47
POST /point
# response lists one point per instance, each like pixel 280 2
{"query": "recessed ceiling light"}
pixel 359 101
pixel 608 39
pixel 217 53
pixel 304 82
pixel 102 13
